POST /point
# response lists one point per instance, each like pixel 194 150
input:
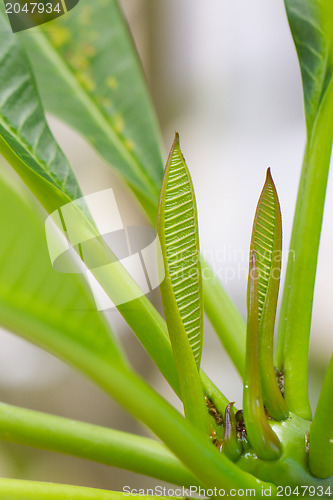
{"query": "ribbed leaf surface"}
pixel 266 242
pixel 266 247
pixel 182 248
pixel 23 127
pixel 181 289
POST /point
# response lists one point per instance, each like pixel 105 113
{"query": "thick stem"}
pixel 321 431
pixel 296 310
pixel 92 442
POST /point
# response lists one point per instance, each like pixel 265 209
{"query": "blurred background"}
pixel 224 74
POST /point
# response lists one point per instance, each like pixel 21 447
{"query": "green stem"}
pixel 225 318
pixel 321 431
pixel 189 445
pixel 92 442
pixel 296 310
pixel 210 389
pixel 12 489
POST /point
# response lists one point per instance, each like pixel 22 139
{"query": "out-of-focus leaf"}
pixel 53 310
pixel 89 76
pixel 25 139
pixel 311 26
pixel 181 289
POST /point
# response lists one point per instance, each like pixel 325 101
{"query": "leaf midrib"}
pixel 27 147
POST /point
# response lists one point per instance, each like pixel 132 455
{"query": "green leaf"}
pixel 89 76
pixel 321 431
pixel 178 230
pixel 266 243
pixel 181 289
pixel 311 25
pixel 25 139
pixel 262 438
pixel 53 310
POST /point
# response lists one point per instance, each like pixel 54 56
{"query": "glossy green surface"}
pixel 291 469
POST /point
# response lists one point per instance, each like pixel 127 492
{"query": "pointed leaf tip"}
pixel 266 241
pixel 181 290
pixel 232 447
